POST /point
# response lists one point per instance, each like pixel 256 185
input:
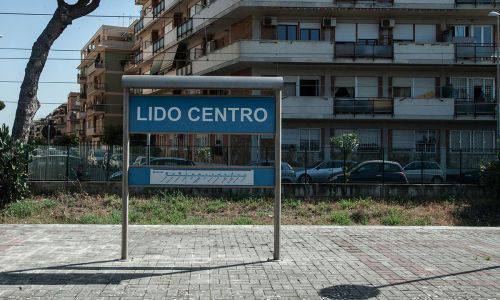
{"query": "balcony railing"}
pixel 476 2
pixel 364 2
pixel 363 50
pixel 99 108
pixel 365 106
pixel 475 52
pixel 185 28
pixel 138 58
pixel 139 26
pixel 96 87
pixel 158 45
pixel 158 9
pixel 475 109
pixel 185 70
pixel 81 77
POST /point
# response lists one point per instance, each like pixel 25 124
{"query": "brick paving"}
pixel 226 262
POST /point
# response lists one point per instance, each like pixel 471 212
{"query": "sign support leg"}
pixel 125 191
pixel 277 188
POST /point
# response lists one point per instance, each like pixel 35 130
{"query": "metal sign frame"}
pixel 274 84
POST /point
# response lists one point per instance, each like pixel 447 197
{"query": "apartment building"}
pixel 73 108
pixel 408 76
pixel 103 60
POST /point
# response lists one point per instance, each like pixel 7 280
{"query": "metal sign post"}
pixel 146 114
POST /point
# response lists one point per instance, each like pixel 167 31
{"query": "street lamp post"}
pixel 497 54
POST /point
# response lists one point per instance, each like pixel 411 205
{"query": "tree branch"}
pixel 28 103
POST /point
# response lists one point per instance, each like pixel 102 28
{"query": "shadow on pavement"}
pixel 65 274
pixel 353 291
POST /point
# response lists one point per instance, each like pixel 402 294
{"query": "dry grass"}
pixel 181 209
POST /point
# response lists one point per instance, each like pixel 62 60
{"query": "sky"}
pixel 22 31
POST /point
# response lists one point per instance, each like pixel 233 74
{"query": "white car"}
pixel 424 172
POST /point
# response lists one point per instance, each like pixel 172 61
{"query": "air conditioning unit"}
pixel 269 21
pixel 387 23
pixel 329 22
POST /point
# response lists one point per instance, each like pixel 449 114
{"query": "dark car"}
pixel 287 172
pixel 373 172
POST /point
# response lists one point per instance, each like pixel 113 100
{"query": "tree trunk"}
pixel 28 103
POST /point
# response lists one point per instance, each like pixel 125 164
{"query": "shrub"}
pixel 13 168
pixel 360 216
pixel 490 176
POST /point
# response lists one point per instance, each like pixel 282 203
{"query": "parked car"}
pixel 424 172
pixel 96 157
pixel 157 161
pixel 287 172
pixel 373 172
pixel 323 171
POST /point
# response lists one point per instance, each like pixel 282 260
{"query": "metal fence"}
pixel 421 165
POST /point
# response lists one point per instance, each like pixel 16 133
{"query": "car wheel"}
pixel 437 180
pixel 305 179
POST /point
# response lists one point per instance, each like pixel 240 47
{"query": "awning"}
pixel 156 66
pixel 168 59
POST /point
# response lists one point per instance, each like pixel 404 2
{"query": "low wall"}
pixel 407 191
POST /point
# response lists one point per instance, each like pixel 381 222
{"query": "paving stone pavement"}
pixel 226 262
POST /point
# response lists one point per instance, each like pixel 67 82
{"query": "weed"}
pixel 340 218
pixel 215 206
pixel 23 209
pixel 392 217
pixel 243 220
pixel 291 203
pixel 424 221
pixel 347 203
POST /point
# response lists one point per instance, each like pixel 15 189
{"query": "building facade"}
pixel 408 76
pixel 73 108
pixel 102 65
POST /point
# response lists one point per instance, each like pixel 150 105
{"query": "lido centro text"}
pixel 202 114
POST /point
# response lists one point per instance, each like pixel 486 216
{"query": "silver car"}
pixel 323 171
pixel 424 172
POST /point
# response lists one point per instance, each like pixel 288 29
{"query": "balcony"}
pixel 99 108
pixel 148 50
pixel 475 109
pixel 158 9
pixel 185 70
pixel 81 77
pixel 355 50
pixel 185 28
pixel 297 107
pixel 95 68
pixel 158 45
pixel 139 26
pixel 433 108
pixel 476 3
pixel 477 53
pixel 95 88
pixel 363 106
pixel 266 51
pixel 93 131
pixel 81 115
pixel 424 53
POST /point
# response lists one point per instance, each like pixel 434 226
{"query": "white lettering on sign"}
pixel 203 114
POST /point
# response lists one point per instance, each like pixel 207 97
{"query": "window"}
pixel 309 34
pixel 403 32
pixel 411 140
pixel 309 87
pixel 425 141
pixel 287 32
pixel 290 89
pixel 424 88
pixel 310 139
pixel 474 89
pixel 369 168
pixel 483 141
pixel 367 87
pixel 483 34
pixel 460 140
pixel 392 168
pixel 344 87
pixel 401 87
pixel 290 139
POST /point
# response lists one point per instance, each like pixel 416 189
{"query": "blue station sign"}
pixel 202 114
